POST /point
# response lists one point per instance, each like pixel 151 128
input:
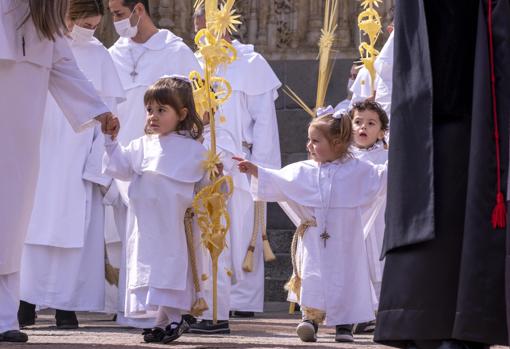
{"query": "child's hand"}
pixel 110 124
pixel 246 166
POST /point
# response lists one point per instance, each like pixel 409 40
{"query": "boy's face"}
pixel 367 128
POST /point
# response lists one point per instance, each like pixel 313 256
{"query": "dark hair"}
pixel 132 3
pixel 338 131
pixel 372 106
pixel 376 108
pixel 85 8
pixel 178 94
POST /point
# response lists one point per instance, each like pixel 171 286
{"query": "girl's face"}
pixel 367 128
pixel 319 146
pixel 163 119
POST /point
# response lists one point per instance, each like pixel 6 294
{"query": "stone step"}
pixel 274 291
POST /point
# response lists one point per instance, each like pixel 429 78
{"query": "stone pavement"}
pixel 273 329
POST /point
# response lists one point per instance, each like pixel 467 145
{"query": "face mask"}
pixel 80 34
pixel 124 28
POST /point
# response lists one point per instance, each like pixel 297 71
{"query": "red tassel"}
pixel 499 212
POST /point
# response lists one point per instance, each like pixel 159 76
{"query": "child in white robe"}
pixel 370 124
pixel 327 194
pixel 164 167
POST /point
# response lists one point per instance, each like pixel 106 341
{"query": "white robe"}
pixel 384 68
pixel 163 171
pixel 239 206
pixel 63 261
pixel 361 88
pixel 335 276
pixel 250 116
pixel 373 220
pixel 163 54
pixel 27 73
pixel 25 82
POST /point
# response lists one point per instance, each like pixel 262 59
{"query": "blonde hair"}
pixel 48 17
pixel 338 131
pixel 178 94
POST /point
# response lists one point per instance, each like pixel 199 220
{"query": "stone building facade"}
pixel 287 33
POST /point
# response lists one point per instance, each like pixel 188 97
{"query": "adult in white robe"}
pixel 335 281
pixel 373 220
pixel 63 260
pixel 162 54
pixel 362 87
pixel 254 91
pixel 384 68
pixel 30 66
pixel 239 206
pixel 158 272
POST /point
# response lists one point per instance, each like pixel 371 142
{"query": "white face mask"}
pixel 124 28
pixel 80 34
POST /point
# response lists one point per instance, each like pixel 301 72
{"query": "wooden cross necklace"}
pixel 325 208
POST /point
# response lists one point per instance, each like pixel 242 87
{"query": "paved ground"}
pixel 271 330
pixel 274 329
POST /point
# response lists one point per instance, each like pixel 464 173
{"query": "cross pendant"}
pixel 133 75
pixel 325 236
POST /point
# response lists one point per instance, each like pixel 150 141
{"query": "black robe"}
pixel 445 264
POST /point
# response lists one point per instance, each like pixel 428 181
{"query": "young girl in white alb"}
pixel 164 167
pixel 326 196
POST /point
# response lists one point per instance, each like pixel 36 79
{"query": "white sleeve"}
pixel 266 144
pixel 122 162
pixel 263 188
pixel 92 171
pixel 74 94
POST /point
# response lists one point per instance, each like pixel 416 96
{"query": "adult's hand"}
pixel 110 124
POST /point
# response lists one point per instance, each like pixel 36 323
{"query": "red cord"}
pixel 499 211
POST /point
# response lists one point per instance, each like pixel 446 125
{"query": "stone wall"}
pixel 279 29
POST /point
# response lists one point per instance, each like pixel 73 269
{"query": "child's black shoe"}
pixel 173 331
pixel 154 335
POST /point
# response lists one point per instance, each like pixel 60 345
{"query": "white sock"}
pixel 173 314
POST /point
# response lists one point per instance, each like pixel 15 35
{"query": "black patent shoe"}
pixel 174 331
pixel 243 314
pixel 14 336
pixel 66 320
pixel 26 314
pixel 208 327
pixel 154 335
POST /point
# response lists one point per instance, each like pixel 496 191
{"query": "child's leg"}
pixel 167 315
